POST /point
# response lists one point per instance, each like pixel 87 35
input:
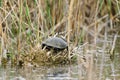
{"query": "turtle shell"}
pixel 55 42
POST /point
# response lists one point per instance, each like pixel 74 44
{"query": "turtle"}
pixel 55 43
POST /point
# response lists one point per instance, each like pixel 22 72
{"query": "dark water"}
pixel 41 73
pixel 102 69
pixel 110 71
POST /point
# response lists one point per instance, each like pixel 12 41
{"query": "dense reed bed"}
pixel 87 25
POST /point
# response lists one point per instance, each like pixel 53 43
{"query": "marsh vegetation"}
pixel 90 27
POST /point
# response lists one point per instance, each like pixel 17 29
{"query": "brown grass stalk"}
pixel 69 22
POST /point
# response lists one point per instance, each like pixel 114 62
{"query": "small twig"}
pixel 113 45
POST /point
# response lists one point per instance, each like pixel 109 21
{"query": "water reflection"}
pixel 42 73
pixel 110 71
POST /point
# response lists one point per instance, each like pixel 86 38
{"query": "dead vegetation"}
pixel 39 57
pixel 24 24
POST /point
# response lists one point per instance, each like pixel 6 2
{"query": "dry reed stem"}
pixel 19 29
pixel 96 25
pixel 103 55
pixel 0 28
pixel 113 44
pixel 0 36
pixel 90 68
pixel 69 23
